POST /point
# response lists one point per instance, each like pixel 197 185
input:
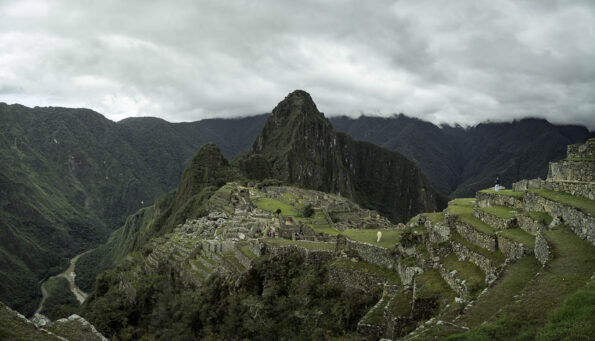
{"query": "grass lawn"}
pixel 463 208
pixel 468 271
pixel 314 246
pixel 519 236
pixel 436 217
pixel 390 276
pixel 508 192
pixel 272 205
pixel 495 256
pixel 583 204
pixel 376 316
pixel 569 270
pixel 430 284
pixel 500 211
pixel 326 229
pixel 388 240
pixel 584 159
pixel 400 304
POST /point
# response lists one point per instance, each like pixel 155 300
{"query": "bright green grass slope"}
pixel 583 204
pixel 389 237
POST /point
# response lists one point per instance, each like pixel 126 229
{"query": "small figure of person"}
pixel 497 184
pixel 379 235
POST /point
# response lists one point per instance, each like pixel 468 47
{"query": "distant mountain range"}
pixel 70 176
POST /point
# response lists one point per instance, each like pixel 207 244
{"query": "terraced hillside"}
pixel 512 264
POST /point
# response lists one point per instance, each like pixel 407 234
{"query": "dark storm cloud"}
pixel 462 62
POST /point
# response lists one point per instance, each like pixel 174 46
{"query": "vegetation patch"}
pixel 313 246
pixel 272 205
pixel 376 316
pixel 247 252
pixel 500 211
pixel 580 159
pixel 519 236
pixel 463 209
pixel 496 257
pixel 581 203
pixel 436 217
pixel 400 303
pixel 363 266
pixel 541 217
pixel 389 237
pixel 59 298
pixel 326 229
pixel 466 270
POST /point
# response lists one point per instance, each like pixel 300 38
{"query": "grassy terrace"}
pixel 272 205
pixel 390 276
pixel 436 217
pixel 326 229
pixel 495 256
pixel 245 249
pixel 463 208
pixel 468 271
pixel 388 240
pixel 500 211
pixel 507 192
pixel 430 284
pixel 569 271
pixel 539 216
pixel 400 304
pixel 231 257
pixel 376 316
pixel 583 204
pixel 582 159
pixel 519 236
pixel 313 246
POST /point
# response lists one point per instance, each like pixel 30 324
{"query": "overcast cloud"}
pixel 443 61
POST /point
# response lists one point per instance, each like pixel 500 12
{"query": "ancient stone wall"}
pixel 480 239
pixel 579 222
pixel 455 283
pixel 542 249
pixel 530 225
pixel 584 150
pixel 491 199
pixel 571 171
pixel 371 253
pixel 354 278
pixel 511 249
pixel 437 232
pixel 464 254
pixel 495 221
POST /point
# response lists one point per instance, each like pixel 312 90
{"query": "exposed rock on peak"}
pixel 302 148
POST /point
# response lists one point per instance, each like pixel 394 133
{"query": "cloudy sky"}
pixel 443 61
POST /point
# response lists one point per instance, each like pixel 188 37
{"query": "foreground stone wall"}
pixel 530 225
pixel 492 199
pixel 571 170
pixel 581 150
pixel 373 254
pixel 464 254
pixel 478 238
pixel 455 283
pixel 495 221
pixel 511 249
pixel 542 249
pixel 578 188
pixel 579 222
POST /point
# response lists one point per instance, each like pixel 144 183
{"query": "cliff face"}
pixel 303 149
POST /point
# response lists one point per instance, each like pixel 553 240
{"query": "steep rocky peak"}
pixel 298 102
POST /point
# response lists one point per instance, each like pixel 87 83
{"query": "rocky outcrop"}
pixel 302 148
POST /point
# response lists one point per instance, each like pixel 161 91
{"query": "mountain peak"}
pixel 298 102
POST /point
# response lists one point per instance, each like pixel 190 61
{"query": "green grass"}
pixel 500 211
pixel 231 257
pixel 583 204
pixel 389 237
pixel 574 319
pixel 326 229
pixel 507 192
pixel 465 270
pixel 376 316
pixel 419 229
pixel 272 205
pixel 519 236
pixel 363 266
pixel 314 246
pixel 541 217
pixel 464 210
pixel 465 202
pixel 245 249
pixel 431 284
pixel 569 270
pixel 436 217
pixel 400 304
pixel 495 256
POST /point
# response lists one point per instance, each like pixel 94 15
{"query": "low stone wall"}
pixel 354 278
pixel 480 239
pixel 455 283
pixel 511 249
pixel 437 232
pixel 582 224
pixel 583 189
pixel 491 199
pixel 371 253
pixel 495 221
pixel 313 257
pixel 529 224
pixel 524 185
pixel 464 254
pixel 407 273
pixel 542 249
pixel 571 170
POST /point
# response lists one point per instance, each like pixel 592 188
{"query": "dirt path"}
pixel 69 274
